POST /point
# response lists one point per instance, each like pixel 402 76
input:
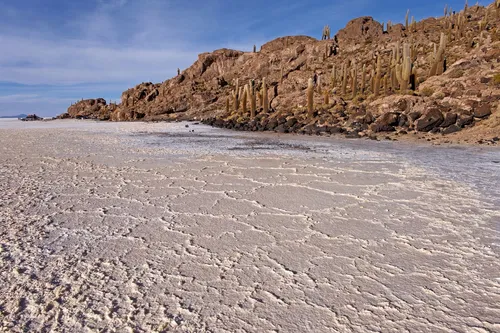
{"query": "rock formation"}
pixel 439 75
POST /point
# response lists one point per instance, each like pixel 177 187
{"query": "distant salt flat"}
pixel 181 227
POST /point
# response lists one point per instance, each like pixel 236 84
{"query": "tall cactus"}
pixel 406 19
pixel 251 92
pixel 236 96
pixel 334 77
pixel 437 66
pixel 344 79
pixel 354 80
pixel 376 82
pixel 310 98
pixel 403 72
pixel 363 79
pixel 265 98
pixel 244 99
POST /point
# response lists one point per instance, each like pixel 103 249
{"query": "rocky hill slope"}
pixel 438 75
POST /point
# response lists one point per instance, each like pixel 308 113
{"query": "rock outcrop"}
pixel 467 93
pixel 91 109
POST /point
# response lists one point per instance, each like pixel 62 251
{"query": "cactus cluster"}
pixel 241 96
pixel 396 73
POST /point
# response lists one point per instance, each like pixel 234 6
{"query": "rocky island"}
pixel 439 76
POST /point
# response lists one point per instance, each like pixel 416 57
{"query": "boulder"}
pixel 451 129
pixel 414 115
pixel 403 121
pixel 450 118
pixel 430 119
pixel 90 108
pixel 291 122
pixel 386 122
pixel 464 120
pixel 482 111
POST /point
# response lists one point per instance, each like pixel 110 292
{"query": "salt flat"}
pixel 135 227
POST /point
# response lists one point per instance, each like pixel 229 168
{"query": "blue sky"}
pixel 54 52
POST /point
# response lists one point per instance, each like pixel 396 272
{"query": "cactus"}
pixel 386 88
pixel 334 77
pixel 469 39
pixel 227 105
pixel 244 99
pixel 265 98
pixel 344 79
pixel 236 96
pixel 398 54
pixel 310 98
pixel 326 33
pixel 403 71
pixel 437 66
pixel 460 26
pixel 319 84
pixel 376 81
pixel 406 19
pixel 413 52
pixel 413 79
pixel 254 48
pixel 251 94
pixel 372 80
pixel 445 10
pixel 326 98
pixel 363 78
pixel 354 81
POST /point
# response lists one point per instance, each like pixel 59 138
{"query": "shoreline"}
pixel 424 138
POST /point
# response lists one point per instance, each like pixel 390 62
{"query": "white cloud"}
pixel 30 61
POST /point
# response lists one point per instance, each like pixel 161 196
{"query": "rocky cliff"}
pixel 362 87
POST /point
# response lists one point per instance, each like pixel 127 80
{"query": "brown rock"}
pixel 451 129
pixel 414 115
pixel 482 111
pixel 450 118
pixel 364 27
pixel 464 120
pixel 90 108
pixel 429 120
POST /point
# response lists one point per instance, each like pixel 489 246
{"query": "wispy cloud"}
pixel 30 61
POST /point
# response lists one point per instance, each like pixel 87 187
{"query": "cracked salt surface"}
pixel 148 227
